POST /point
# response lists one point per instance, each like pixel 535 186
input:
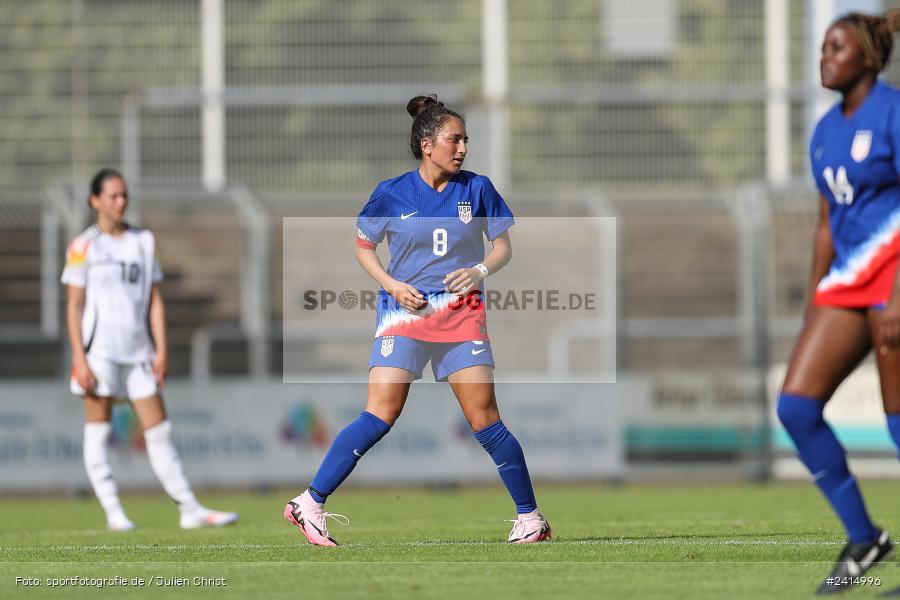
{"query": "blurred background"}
pixel 685 121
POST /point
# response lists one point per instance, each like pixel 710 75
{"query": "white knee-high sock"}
pixel 100 475
pixel 167 466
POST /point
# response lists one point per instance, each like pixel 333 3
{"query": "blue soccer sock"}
pixel 893 423
pixel 347 448
pixel 510 461
pixel 823 455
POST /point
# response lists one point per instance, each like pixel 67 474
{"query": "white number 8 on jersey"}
pixel 840 186
pixel 439 237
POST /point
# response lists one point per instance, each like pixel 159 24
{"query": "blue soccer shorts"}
pixel 412 355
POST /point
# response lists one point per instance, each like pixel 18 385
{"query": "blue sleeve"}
pixel 810 150
pixel 499 217
pixel 815 145
pixel 374 217
pixel 894 137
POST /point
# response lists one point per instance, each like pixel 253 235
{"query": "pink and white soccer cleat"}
pixel 203 517
pixel 308 515
pixel 122 523
pixel 530 529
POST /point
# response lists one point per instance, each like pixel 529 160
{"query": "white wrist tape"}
pixel 482 269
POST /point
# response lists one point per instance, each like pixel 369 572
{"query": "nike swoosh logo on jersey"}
pixel 405 217
pixel 477 352
pixel 357 453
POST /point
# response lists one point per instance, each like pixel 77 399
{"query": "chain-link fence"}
pixel 609 93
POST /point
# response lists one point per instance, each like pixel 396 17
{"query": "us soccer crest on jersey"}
pixel 465 212
pixel 862 143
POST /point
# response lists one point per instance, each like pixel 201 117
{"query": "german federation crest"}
pixel 862 143
pixel 465 212
pixel 387 346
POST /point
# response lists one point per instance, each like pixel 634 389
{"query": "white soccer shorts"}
pixel 138 379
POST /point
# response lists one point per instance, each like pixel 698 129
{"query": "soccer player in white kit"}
pixel 113 278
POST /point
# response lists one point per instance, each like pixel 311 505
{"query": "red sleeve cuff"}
pixel 365 244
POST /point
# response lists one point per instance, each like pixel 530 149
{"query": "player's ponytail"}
pixel 429 115
pixel 99 179
pixel 875 34
pixel 892 20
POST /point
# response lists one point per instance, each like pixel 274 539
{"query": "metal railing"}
pixel 754 325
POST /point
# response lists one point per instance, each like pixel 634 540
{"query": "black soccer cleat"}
pixel 854 561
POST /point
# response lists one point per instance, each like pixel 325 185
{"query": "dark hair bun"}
pixel 418 104
pixel 892 20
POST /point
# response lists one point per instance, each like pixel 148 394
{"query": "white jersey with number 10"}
pixel 117 274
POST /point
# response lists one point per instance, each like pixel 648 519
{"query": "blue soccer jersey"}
pixel 429 235
pixel 856 162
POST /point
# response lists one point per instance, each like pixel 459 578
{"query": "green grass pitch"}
pixel 686 541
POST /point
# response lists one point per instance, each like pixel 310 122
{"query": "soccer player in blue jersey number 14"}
pixel 434 218
pixel 854 302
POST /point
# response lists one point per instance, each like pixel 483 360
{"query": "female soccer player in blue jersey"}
pixel 435 219
pixel 854 302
